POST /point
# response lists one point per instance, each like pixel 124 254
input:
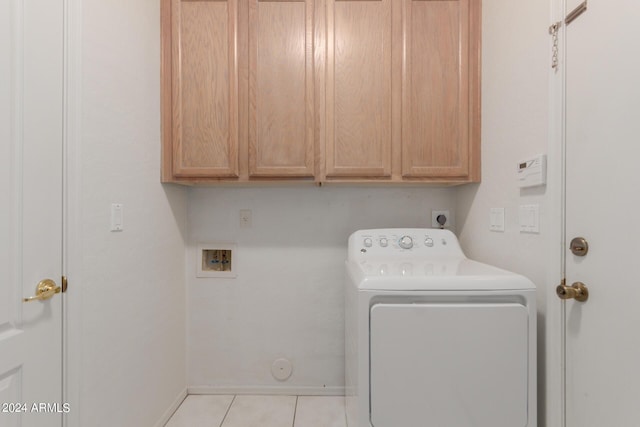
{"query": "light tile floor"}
pixel 259 411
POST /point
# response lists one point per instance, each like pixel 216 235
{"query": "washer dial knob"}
pixel 405 242
pixel 384 242
pixel 368 242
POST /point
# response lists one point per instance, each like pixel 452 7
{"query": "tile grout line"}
pixel 295 410
pixel 228 409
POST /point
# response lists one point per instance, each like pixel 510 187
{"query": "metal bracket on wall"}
pixel 576 12
pixel 553 31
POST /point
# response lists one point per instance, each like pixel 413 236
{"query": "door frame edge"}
pixel 72 211
pixel 555 393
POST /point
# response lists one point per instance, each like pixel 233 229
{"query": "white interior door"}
pixel 31 88
pixel 603 205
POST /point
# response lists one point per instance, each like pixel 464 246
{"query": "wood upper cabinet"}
pixel 238 90
pixel 200 89
pixel 358 88
pixel 403 90
pixel 440 89
pixel 281 88
pixel 321 90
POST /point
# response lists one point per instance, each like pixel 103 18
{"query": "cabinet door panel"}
pixel 281 104
pixel 435 86
pixel 358 92
pixel 205 88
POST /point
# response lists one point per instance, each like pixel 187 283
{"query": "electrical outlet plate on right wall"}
pixel 434 218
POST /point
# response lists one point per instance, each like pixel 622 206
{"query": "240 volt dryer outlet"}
pixel 441 219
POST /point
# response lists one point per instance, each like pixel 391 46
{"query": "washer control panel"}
pixel 403 242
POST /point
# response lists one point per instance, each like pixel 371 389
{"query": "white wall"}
pixel 287 300
pixel 127 347
pixel 516 113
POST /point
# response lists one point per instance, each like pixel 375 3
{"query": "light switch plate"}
pixel 496 219
pixel 117 217
pixel 529 218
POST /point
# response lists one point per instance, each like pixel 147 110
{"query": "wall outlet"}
pixel 440 216
pixel 246 219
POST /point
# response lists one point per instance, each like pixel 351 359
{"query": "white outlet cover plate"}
pixel 434 220
pixel 246 218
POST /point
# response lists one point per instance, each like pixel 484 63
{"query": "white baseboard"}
pixel 174 406
pixel 274 390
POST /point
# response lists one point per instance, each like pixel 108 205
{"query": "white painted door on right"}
pixel 603 206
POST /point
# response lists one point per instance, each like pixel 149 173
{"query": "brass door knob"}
pixel 46 289
pixel 577 291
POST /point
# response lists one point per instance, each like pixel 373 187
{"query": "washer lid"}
pixel 448 273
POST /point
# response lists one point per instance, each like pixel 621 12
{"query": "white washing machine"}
pixel 434 339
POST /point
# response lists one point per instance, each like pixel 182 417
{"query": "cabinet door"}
pixel 204 88
pixel 281 90
pixel 358 88
pixel 439 108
